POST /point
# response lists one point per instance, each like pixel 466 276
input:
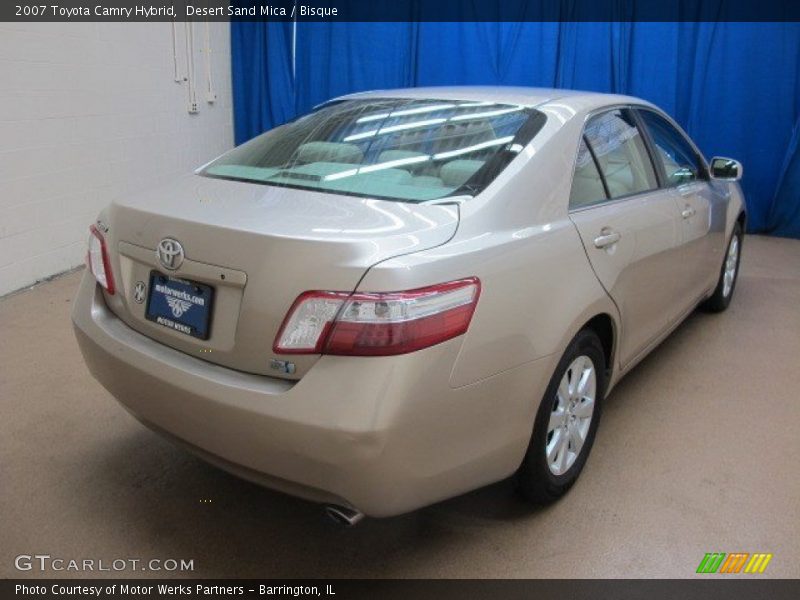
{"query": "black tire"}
pixel 719 300
pixel 535 479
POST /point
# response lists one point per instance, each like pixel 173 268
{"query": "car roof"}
pixel 527 96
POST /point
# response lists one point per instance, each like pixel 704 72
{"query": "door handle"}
pixel 607 238
pixel 688 212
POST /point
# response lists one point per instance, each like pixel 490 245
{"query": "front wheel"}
pixel 566 422
pixel 726 284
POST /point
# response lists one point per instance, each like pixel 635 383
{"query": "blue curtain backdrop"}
pixel 735 87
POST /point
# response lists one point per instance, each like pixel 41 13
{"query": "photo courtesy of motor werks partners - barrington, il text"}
pixel 164 589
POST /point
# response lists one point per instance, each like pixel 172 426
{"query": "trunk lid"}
pixel 259 247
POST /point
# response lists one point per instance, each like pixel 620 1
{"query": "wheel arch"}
pixel 604 326
pixel 742 220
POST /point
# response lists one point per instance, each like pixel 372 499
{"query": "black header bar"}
pixel 401 10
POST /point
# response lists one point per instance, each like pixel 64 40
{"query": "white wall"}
pixel 89 111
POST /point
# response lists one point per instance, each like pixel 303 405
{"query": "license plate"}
pixel 179 304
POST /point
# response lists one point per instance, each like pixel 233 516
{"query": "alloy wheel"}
pixel 571 416
pixel 731 261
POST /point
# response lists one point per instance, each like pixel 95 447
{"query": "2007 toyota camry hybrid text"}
pixel 405 295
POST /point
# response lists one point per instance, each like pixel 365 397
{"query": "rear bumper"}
pixel 385 435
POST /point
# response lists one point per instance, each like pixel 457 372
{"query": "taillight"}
pixel 97 260
pixel 378 324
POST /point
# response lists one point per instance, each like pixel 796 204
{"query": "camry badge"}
pixel 139 292
pixel 170 254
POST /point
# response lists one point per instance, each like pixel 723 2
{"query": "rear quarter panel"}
pixel 537 286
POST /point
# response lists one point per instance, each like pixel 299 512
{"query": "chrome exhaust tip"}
pixel 342 515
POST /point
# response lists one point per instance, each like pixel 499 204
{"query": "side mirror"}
pixel 726 169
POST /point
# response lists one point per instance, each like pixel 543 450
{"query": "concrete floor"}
pixel 697 452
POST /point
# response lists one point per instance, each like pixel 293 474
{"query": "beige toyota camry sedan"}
pixel 405 295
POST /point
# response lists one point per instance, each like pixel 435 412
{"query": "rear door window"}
pixel 587 184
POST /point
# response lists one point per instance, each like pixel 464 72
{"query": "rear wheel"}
pixel 566 423
pixel 726 284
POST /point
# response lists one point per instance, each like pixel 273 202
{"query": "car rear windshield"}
pixel 397 149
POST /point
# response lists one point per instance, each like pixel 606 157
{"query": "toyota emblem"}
pixel 170 254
